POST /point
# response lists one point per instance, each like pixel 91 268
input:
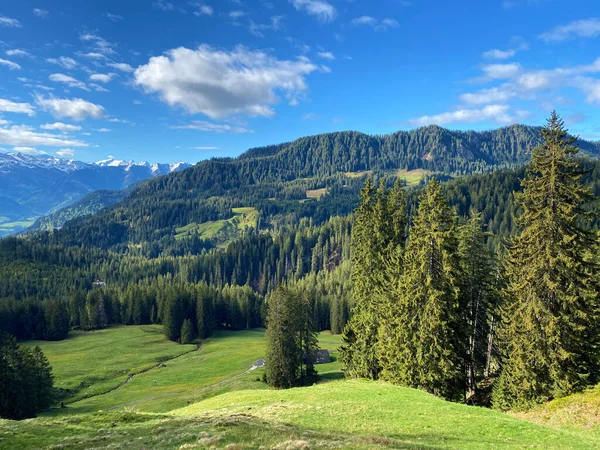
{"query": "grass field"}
pixel 205 398
pixel 316 193
pixel 358 174
pixel 222 230
pixel 412 177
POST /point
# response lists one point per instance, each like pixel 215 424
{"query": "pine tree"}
pixel 549 331
pixel 187 332
pixel 424 347
pixel 377 234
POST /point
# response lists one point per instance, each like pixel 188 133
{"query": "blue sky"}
pixel 162 80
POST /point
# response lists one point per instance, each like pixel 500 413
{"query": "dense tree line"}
pixel 426 307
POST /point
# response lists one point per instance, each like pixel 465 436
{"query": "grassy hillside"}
pixel 222 231
pixel 207 398
pixel 340 414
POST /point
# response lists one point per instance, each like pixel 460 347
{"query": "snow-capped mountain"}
pixel 35 185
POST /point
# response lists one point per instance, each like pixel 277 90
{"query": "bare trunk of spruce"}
pixel 489 351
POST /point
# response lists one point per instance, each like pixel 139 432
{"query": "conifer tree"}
pixel 187 332
pixel 549 330
pixel 424 345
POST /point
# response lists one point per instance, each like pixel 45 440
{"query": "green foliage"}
pixel 550 322
pixel 291 339
pixel 25 380
pixel 187 332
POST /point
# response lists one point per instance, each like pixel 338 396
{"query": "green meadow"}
pixel 130 387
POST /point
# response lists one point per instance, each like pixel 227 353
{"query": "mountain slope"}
pixel 275 179
pixel 41 184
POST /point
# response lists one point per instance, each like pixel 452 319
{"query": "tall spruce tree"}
pixel 549 331
pixel 377 234
pixel 424 347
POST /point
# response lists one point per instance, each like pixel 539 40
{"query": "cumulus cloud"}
pixel 8 22
pixel 495 113
pixel 202 9
pixel 75 108
pixel 202 125
pixel 68 80
pixel 11 65
pixel 59 126
pixel 113 17
pixel 237 14
pixel 501 71
pixel 29 150
pixel 372 22
pixel 66 152
pixel 586 28
pixel 102 77
pixel 41 13
pixel 25 136
pixel 19 108
pixel 322 10
pixel 63 61
pixel 18 52
pixel 98 44
pixel 526 84
pixel 102 130
pixel 326 55
pixel 220 83
pixel 122 67
pixel 499 54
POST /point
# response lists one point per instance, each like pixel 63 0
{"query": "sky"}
pixel 166 80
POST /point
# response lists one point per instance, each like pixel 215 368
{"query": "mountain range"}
pixel 32 186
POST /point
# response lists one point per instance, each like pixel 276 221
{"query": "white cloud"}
pixel 122 67
pixel 66 152
pixel 64 127
pixel 8 22
pixel 587 28
pixel 11 65
pixel 372 22
pixel 68 80
pixel 322 10
pixel 94 55
pixel 364 20
pixel 41 13
pixel 164 5
pixel 99 45
pixel 29 150
pixel 75 108
pixel 102 130
pixel 202 9
pixel 326 55
pixel 26 136
pixel 19 108
pixel 18 52
pixel 499 54
pixel 501 71
pixel 496 113
pixel 63 61
pixel 102 77
pixel 310 116
pixel 97 87
pixel 237 14
pixel 526 84
pixel 206 148
pixel 219 83
pixel 113 17
pixel 202 125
